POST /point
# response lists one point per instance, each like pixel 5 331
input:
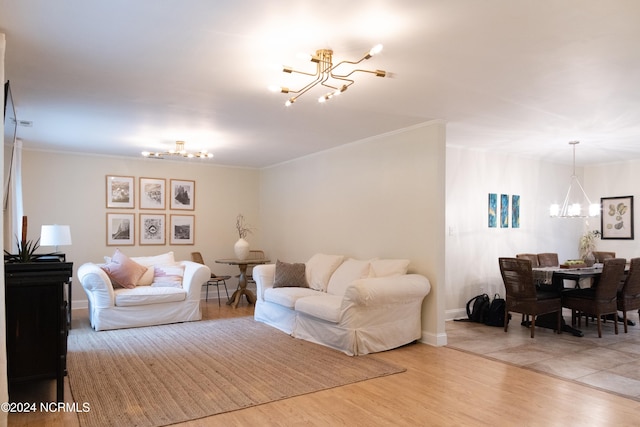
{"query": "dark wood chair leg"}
pixel 624 317
pixel 533 324
pixel 506 319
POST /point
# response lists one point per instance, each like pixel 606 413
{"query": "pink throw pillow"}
pixel 123 271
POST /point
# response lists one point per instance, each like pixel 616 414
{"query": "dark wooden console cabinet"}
pixel 37 313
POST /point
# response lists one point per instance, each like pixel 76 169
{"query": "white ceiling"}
pixel 519 76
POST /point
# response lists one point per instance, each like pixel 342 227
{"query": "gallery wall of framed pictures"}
pixel 152 225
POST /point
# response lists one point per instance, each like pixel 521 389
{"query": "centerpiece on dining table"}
pixel 573 263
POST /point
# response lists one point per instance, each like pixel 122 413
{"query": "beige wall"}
pixel 381 197
pixel 70 189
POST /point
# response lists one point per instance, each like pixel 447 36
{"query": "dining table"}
pixel 242 278
pixel 554 278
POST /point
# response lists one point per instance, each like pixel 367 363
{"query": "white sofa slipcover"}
pixel 361 316
pixel 117 308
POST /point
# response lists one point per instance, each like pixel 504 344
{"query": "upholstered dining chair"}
pixel 548 259
pixel 599 300
pixel 629 295
pixel 531 257
pixel 601 256
pixel 214 280
pixel 522 296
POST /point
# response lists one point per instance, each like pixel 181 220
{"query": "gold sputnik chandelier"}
pixel 179 152
pixel 325 75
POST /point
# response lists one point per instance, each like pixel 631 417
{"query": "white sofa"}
pixel 154 299
pixel 355 306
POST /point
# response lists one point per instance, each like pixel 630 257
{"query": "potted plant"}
pixel 26 251
pixel 588 245
pixel 241 247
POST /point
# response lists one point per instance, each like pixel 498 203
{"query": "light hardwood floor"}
pixel 441 387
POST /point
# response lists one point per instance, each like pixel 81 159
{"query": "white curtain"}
pixel 13 199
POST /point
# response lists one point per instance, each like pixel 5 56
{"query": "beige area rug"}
pixel 166 374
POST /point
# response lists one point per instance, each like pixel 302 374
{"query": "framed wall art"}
pixel 182 229
pixel 152 193
pixel 616 218
pixel 120 229
pixel 120 192
pixel 183 194
pixel 493 210
pixel 504 211
pixel 152 229
pixel 515 211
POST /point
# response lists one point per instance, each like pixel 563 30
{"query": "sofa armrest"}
pixel 387 290
pixel 264 276
pixel 97 285
pixel 195 275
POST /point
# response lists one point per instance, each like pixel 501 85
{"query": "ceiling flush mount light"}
pixel 326 76
pixel 576 203
pixel 179 152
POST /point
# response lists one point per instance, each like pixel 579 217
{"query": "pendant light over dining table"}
pixel 576 203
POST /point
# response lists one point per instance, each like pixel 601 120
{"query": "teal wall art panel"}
pixel 493 210
pixel 515 211
pixel 504 211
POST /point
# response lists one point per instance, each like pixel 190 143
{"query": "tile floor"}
pixel 610 363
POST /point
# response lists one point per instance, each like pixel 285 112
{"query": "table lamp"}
pixel 55 235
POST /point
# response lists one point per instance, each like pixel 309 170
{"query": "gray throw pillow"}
pixel 290 275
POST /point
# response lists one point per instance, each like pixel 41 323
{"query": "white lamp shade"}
pixel 55 235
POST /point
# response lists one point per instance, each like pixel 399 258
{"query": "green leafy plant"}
pixel 26 251
pixel 588 242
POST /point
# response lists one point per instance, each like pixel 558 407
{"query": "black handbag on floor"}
pixel 495 314
pixel 478 308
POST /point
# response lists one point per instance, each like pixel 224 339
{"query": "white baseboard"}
pixel 458 313
pixel 436 340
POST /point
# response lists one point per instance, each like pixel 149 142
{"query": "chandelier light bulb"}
pixel 375 50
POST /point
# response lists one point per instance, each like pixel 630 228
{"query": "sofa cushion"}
pixel 323 306
pixel 290 275
pixel 320 268
pixel 150 261
pixel 168 275
pixel 145 295
pixel 389 267
pixel 123 271
pixel 287 297
pixel 350 270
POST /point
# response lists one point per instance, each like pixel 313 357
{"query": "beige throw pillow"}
pixel 320 268
pixel 350 270
pixel 168 275
pixel 150 261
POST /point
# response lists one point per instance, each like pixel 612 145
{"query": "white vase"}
pixel 589 259
pixel 241 248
